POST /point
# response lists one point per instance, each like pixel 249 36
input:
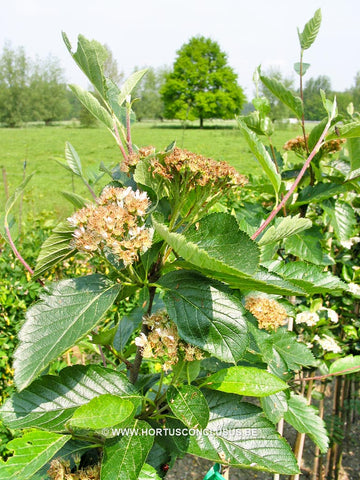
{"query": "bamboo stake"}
pixel 300 437
pixel 316 464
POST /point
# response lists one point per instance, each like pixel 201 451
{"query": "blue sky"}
pixel 149 32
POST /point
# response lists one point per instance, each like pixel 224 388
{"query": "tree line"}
pixel 200 85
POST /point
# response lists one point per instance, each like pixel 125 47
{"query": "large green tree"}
pixel 14 84
pixel 202 85
pixel 313 105
pixel 48 92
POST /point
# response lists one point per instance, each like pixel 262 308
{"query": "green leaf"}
pixel 353 146
pixel 207 314
pixel 342 218
pixel 283 228
pixel 209 264
pixel 238 434
pixel 350 362
pixel 124 457
pixel 77 200
pixel 189 405
pixel 311 29
pixel 274 406
pixel 90 57
pixel 130 84
pixel 219 236
pixel 348 130
pixel 318 193
pixel 306 246
pixel 31 452
pixel 127 325
pixel 148 473
pixel 295 354
pixel 55 249
pixel 261 154
pixel 304 419
pixel 311 278
pixel 249 381
pixel 66 313
pixel 50 401
pixel 93 105
pixel 101 412
pixel 14 197
pixel 73 159
pixel 305 67
pixel 284 95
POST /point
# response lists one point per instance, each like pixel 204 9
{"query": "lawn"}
pixel 40 146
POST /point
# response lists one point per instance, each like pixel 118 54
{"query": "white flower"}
pixel 307 317
pixel 331 314
pixel 354 289
pixel 328 344
pixel 141 341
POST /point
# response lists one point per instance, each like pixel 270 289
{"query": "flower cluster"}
pixel 163 341
pixel 298 145
pixel 309 318
pixel 61 470
pixel 269 313
pixel 133 158
pixel 328 344
pixel 116 223
pixel 197 170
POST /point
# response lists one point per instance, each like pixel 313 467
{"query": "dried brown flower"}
pixel 298 146
pixel 134 158
pixel 163 341
pixel 269 313
pixel 116 222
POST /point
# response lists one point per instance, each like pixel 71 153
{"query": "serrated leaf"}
pixel 301 70
pixel 348 130
pixel 211 262
pixel 130 84
pixel 274 406
pixel 50 401
pixel 342 218
pixel 73 159
pixel 261 154
pixel 31 452
pixel 306 246
pixel 318 193
pixel 14 197
pixel 285 227
pixel 124 457
pixel 207 314
pixel 350 362
pixel 295 354
pixel 90 57
pixel 93 105
pixel 67 312
pixel 77 200
pixel 55 249
pixel 311 29
pixel 284 95
pixel 189 405
pixel 249 381
pixel 127 325
pixel 238 434
pixel 101 412
pixel 313 279
pixel 304 419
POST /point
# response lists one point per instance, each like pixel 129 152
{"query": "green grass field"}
pixel 39 147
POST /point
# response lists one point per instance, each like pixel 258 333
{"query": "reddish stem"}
pixel 128 131
pixel 295 184
pixel 119 142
